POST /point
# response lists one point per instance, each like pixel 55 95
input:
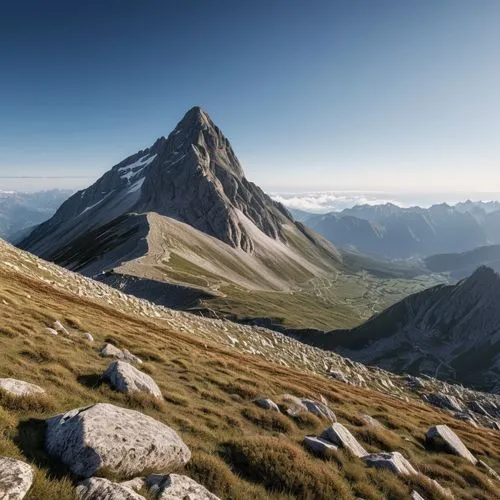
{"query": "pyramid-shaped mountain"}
pixel 183 203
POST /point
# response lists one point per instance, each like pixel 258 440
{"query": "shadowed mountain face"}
pixel 394 232
pixel 194 185
pixel 450 332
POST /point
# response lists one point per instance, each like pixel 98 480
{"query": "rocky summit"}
pixel 160 206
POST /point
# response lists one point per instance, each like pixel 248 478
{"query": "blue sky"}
pixel 356 94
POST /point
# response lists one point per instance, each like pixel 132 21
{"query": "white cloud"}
pixel 329 201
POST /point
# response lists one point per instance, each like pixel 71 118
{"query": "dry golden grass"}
pixel 239 450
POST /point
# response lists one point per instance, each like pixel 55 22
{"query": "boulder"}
pixel 88 336
pixel 372 422
pixel 59 327
pixel 441 436
pixel 267 404
pixel 176 486
pixel 16 478
pixel 110 351
pixel 125 378
pixel 19 387
pixel 97 488
pixel 340 436
pixel 51 331
pixel 319 409
pixel 444 401
pixel 126 442
pixel 319 446
pixel 394 462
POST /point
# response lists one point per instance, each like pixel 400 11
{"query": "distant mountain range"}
pixel 393 232
pixel 21 211
pixel 450 332
pixel 183 212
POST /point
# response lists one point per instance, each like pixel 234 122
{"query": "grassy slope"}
pixel 239 451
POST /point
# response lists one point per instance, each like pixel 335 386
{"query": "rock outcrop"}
pixel 16 478
pixel 394 462
pixel 125 378
pixel 267 404
pixel 441 436
pixel 319 446
pixel 340 436
pixel 19 387
pixel 176 486
pixel 110 351
pixel 97 488
pixel 123 441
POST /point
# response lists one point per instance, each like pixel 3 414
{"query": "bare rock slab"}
pixel 340 436
pixel 125 378
pixel 19 387
pixel 319 409
pixel 394 462
pixel 126 442
pixel 176 486
pixel 16 478
pixel 441 436
pixel 111 351
pixel 97 488
pixel 319 446
pixel 267 404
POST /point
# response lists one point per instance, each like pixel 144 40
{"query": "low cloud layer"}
pixel 329 201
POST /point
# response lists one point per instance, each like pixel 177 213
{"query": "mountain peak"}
pixel 484 275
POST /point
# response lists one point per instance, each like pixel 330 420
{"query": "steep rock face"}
pixel 192 176
pixel 182 202
pixel 450 332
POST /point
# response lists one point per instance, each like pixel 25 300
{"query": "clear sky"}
pixel 355 94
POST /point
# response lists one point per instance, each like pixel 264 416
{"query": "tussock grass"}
pixel 239 451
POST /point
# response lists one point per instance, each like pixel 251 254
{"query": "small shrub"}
pixel 32 403
pixel 284 467
pixel 269 420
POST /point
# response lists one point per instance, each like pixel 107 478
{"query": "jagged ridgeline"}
pixel 179 209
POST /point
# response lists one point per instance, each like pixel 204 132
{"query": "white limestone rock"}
pixel 176 486
pixel 19 387
pixel 442 436
pixel 372 422
pixel 16 478
pixel 125 378
pixel 319 446
pixel 97 488
pixel 319 409
pixel 59 327
pixel 339 435
pixel 126 442
pixel 394 462
pixel 267 404
pixel 110 351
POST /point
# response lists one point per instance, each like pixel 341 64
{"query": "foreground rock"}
pixel 370 421
pixel 111 351
pixel 98 488
pixel 176 486
pixel 267 404
pixel 19 388
pixel 319 446
pixel 123 441
pixel 319 409
pixel 340 436
pixel 441 436
pixel 125 378
pixel 16 478
pixel 394 462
